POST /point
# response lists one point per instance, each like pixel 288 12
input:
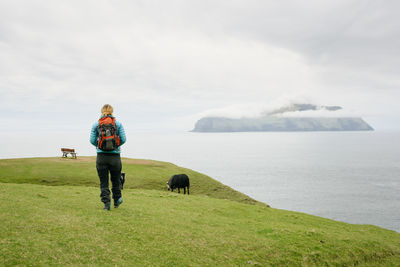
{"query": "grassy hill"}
pixel 216 226
pixel 140 173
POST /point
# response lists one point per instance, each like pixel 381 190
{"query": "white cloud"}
pixel 321 114
pixel 181 59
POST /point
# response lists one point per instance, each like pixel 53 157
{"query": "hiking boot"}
pixel 107 206
pixel 118 202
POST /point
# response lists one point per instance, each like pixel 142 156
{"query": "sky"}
pixel 164 64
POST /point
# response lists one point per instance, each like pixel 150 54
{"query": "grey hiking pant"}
pixel 109 163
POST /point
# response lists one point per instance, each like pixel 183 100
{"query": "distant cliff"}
pixel 277 124
pixel 270 122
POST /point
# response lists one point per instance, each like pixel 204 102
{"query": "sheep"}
pixel 179 181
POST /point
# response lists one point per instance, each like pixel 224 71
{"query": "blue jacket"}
pixel 94 133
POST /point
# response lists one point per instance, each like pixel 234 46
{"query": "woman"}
pixel 107 136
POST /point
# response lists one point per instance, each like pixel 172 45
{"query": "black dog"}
pixel 179 181
pixel 122 179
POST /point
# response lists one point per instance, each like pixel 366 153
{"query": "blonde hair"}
pixel 107 110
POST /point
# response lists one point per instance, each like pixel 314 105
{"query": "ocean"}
pixel 346 176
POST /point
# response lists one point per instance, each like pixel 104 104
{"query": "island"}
pixel 285 119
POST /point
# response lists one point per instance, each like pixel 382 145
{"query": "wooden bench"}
pixel 67 151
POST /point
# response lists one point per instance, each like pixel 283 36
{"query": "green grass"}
pixel 141 174
pixel 65 225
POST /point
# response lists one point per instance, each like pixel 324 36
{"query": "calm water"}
pixel 347 176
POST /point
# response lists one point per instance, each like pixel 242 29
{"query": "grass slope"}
pixel 141 174
pixel 65 225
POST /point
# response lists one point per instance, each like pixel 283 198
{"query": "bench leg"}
pixel 65 155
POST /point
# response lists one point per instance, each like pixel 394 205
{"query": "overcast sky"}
pixel 163 64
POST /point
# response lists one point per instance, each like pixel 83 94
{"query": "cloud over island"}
pixel 162 62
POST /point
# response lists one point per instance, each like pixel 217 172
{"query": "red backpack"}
pixel 107 139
